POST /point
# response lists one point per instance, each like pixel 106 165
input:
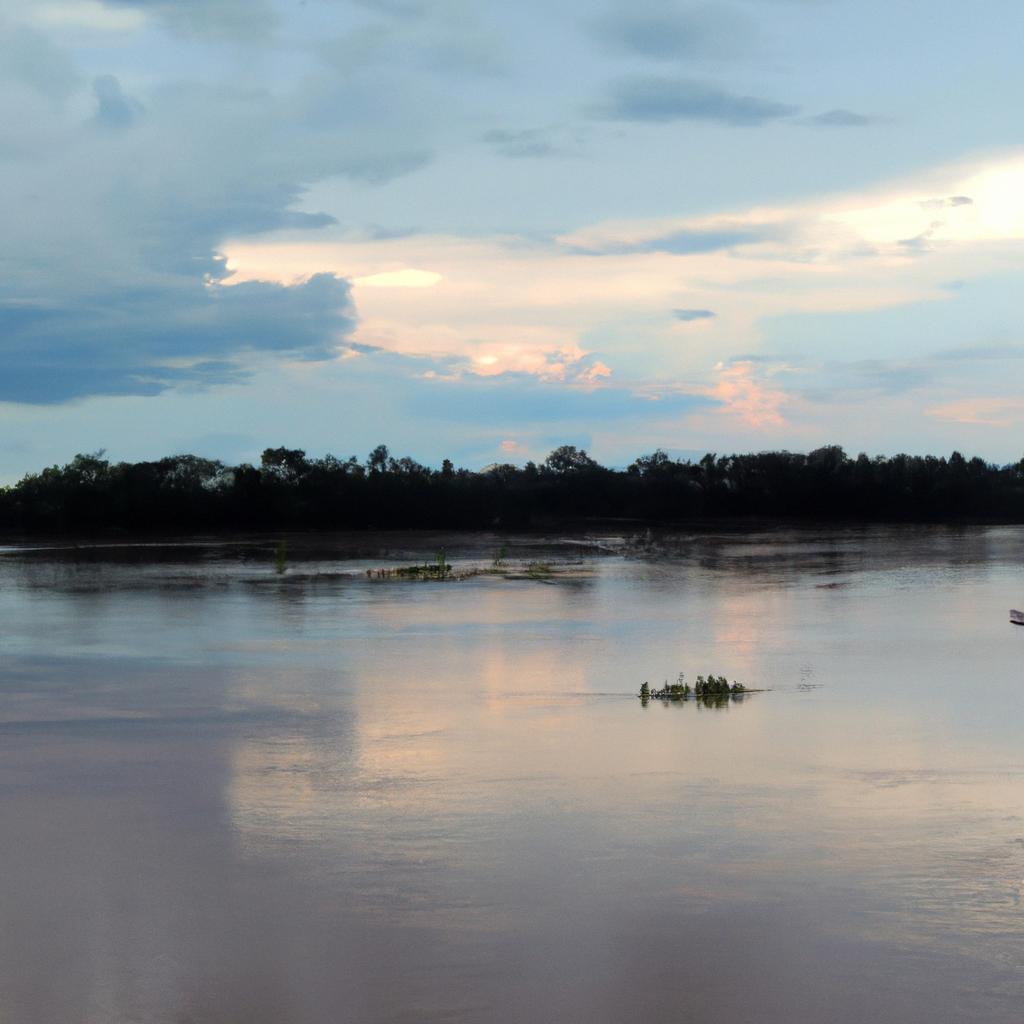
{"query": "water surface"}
pixel 232 795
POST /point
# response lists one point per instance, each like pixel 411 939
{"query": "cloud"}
pixel 231 20
pixel 921 243
pixel 568 364
pixel 860 379
pixel 406 277
pixel 658 99
pixel 518 398
pixel 981 412
pixel 527 142
pixel 690 315
pixel 141 147
pixel 113 108
pixel 685 242
pixel 140 342
pixel 822 278
pixel 983 353
pixel 29 59
pixel 447 41
pixel 87 14
pixel 396 8
pixel 661 31
pixel 840 118
pixel 114 222
pixel 747 394
pixel 948 202
pixel 382 233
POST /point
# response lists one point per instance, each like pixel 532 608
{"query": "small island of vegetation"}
pixel 709 689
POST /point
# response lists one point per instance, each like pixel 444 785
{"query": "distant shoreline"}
pixel 186 495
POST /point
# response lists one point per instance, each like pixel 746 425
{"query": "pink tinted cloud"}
pixel 753 401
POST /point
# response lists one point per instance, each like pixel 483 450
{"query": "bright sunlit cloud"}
pixel 88 14
pixel 667 300
pixel 406 278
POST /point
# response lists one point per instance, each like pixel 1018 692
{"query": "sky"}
pixel 479 230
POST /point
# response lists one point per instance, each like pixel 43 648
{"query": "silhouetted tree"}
pixel 569 459
pixel 377 460
pixel 286 464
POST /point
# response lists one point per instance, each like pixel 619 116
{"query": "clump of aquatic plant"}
pixel 674 691
pixel 500 558
pixel 709 688
pixel 538 569
pixel 715 686
pixel 281 558
pixel 439 569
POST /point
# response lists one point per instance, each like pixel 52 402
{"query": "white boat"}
pixel 1016 617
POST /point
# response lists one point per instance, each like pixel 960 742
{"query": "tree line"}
pixel 289 490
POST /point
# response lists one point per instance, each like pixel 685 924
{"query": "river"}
pixel 230 794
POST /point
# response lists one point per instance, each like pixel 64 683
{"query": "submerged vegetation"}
pixel 439 569
pixel 707 689
pixel 501 566
pixel 281 558
pixel 289 490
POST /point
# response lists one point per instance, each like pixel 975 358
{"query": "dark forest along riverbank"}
pixel 233 793
pixel 290 491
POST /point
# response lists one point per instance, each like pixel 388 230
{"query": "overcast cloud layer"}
pixel 476 230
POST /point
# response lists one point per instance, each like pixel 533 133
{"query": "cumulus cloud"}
pixel 143 341
pixel 800 278
pixel 747 393
pixel 114 282
pixel 661 99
